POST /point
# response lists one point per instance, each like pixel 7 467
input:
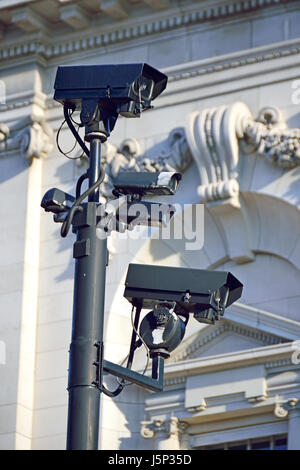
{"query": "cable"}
pixel 79 124
pixel 109 393
pixel 129 359
pixel 76 206
pixel 66 154
pixel 57 141
pixel 141 339
pixel 74 132
pixel 122 383
pixel 79 183
pixel 68 220
pixel 91 188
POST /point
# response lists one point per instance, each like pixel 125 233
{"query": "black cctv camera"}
pixel 126 89
pixel 204 293
pixel 135 185
pixel 151 214
pixel 57 201
pixel 163 183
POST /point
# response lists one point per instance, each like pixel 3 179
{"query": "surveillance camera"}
pixel 57 201
pixel 146 183
pixel 162 330
pixel 204 293
pixel 127 88
pixel 145 213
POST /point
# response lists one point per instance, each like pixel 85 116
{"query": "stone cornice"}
pixel 269 322
pixel 212 333
pixel 263 326
pixel 261 63
pixel 21 100
pixel 232 360
pixel 185 79
pixel 234 71
pixel 234 60
pixel 42 45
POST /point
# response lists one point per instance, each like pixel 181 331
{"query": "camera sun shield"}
pixel 147 284
pixel 163 183
pixel 129 88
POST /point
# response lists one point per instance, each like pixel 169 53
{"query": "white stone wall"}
pixel 36 281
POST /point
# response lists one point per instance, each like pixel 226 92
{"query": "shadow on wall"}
pixel 130 404
pixel 293 191
pixel 293 121
pixel 12 167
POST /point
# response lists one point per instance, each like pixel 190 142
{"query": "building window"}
pixel 263 443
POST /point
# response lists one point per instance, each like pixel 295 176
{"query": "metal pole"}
pixel 95 162
pixel 85 361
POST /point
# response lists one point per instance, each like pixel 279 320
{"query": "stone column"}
pixel 294 429
pixel 291 409
pixel 22 148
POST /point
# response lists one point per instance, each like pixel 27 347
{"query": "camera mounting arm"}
pixel 155 382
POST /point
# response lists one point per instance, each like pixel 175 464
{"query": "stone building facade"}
pixel 229 120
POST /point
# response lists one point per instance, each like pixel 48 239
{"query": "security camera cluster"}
pixel 101 93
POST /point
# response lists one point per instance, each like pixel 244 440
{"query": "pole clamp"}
pixel 98 364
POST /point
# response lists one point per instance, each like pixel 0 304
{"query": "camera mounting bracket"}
pixel 154 383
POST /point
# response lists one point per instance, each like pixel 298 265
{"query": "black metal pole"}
pixel 85 361
pixel 95 162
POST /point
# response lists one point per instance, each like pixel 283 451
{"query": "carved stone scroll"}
pixel 283 407
pixel 31 136
pixel 216 135
pixel 172 429
pixel 213 139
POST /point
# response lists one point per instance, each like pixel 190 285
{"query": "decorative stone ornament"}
pixel 271 139
pixel 282 408
pixel 4 132
pixel 34 140
pixel 216 135
pixel 31 136
pixel 170 433
pixel 212 135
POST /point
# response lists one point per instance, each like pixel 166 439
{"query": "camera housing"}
pixel 204 293
pixel 57 201
pixel 150 214
pixel 126 88
pixel 144 183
